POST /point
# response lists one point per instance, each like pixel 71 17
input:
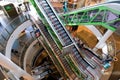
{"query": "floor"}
pixel 21 44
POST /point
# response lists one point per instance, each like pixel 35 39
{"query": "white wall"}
pixel 14 36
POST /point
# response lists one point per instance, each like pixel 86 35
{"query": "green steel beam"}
pixel 93 16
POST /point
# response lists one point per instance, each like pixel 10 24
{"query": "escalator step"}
pixel 57 26
pixel 64 35
pixel 55 47
pixel 66 41
pixel 52 17
pixel 45 5
pixel 62 32
pixel 74 50
pixel 77 56
pixel 75 53
pixel 50 14
pixel 46 8
pixel 55 19
pixel 58 51
pixel 55 23
pixel 48 11
pixel 84 63
pixel 66 38
pixel 43 1
pixel 59 29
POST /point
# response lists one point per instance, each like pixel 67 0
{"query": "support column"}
pixel 8 64
pixel 101 42
pixel 95 31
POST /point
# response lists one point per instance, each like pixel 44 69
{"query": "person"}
pixel 14 51
pixel 27 6
pixel 19 8
pixel 106 60
pixel 0 24
pixel 21 78
pixel 74 4
pixel 65 6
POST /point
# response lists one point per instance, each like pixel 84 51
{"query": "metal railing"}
pixel 9 29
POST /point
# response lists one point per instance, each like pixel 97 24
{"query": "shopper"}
pixel 65 6
pixel 27 6
pixel 74 4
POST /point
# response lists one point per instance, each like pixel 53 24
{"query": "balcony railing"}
pixel 9 29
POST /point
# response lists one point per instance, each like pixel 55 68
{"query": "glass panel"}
pixel 8 30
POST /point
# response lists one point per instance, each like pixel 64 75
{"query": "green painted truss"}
pixel 101 15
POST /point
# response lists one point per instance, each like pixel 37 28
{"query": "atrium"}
pixel 59 39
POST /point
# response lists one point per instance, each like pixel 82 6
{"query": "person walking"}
pixel 27 5
pixel 65 6
pixel 74 4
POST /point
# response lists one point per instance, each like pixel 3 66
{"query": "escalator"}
pixel 62 35
pixel 98 15
pixel 57 26
pixel 54 22
pixel 54 46
pixel 59 29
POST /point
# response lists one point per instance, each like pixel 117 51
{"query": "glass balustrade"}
pixel 9 29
